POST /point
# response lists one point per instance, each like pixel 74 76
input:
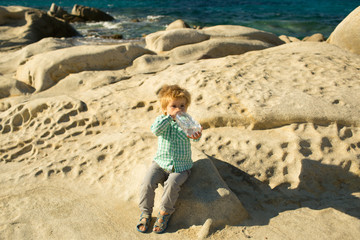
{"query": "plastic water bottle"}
pixel 187 123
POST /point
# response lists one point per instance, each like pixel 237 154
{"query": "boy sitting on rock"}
pixel 172 162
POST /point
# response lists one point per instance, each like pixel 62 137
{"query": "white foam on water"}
pixel 154 18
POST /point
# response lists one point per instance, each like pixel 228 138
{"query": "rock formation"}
pixel 58 64
pixel 90 14
pixel 347 34
pixel 317 37
pixel 59 12
pixel 79 13
pixel 21 26
pixel 177 24
pixel 170 39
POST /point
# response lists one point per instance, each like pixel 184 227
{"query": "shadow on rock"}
pixel 206 200
pixel 321 186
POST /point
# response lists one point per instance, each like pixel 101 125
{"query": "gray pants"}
pixel 172 182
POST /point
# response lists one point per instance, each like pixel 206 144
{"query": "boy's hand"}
pixel 196 135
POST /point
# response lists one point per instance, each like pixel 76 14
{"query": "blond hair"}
pixel 168 93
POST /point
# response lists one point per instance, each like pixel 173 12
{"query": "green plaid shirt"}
pixel 174 148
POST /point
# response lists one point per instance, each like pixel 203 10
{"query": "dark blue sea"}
pixel 134 18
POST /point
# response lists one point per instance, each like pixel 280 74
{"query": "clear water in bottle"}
pixel 187 123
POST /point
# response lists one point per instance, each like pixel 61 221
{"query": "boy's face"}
pixel 176 105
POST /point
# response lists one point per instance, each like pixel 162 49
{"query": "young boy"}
pixel 172 162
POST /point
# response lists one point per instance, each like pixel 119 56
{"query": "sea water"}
pixel 135 18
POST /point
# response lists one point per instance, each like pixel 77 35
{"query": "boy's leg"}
pixel 171 190
pixel 154 176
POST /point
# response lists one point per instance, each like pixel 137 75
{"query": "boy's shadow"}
pixel 321 186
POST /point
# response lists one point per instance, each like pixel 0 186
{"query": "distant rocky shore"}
pixel 56 23
pixel 22 25
pixel 79 13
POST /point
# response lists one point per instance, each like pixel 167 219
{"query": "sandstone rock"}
pixel 10 15
pixel 289 39
pixel 294 39
pixel 177 24
pixel 233 31
pixel 167 40
pixel 285 38
pixel 12 27
pixel 149 64
pixel 59 12
pixel 205 197
pixel 280 95
pixel 90 14
pixel 347 35
pixel 10 62
pixel 114 36
pixel 215 48
pixel 10 87
pixel 317 37
pixel 20 115
pixel 56 11
pixel 23 26
pixel 79 14
pixel 42 25
pixel 44 70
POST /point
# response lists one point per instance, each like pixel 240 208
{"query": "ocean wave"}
pixel 154 18
pixel 112 25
